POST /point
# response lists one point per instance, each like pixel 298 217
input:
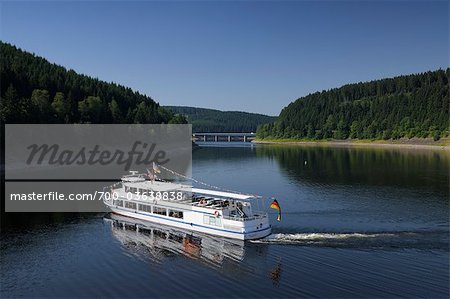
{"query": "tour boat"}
pixel 221 213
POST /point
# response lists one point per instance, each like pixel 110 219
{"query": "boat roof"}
pixel 156 185
pixel 133 179
pixel 222 194
pixel 139 182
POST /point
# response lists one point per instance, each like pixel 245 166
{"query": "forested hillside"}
pixel 34 90
pixel 210 120
pixel 406 106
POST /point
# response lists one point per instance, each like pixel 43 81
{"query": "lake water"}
pixel 356 222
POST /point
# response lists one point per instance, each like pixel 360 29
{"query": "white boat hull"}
pixel 240 235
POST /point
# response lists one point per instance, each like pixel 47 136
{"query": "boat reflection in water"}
pixel 148 239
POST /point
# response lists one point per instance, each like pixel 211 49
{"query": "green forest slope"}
pixel 210 120
pixel 34 90
pixel 405 106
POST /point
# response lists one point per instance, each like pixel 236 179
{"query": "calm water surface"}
pixel 356 222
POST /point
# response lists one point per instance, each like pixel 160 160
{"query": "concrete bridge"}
pixel 223 137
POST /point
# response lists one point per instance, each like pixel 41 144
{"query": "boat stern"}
pixel 257 228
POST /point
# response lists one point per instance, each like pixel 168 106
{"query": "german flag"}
pixel 276 206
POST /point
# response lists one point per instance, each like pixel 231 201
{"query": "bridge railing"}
pixel 223 137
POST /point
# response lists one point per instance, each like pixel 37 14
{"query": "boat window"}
pixel 118 203
pixel 130 205
pixel 176 214
pixel 159 234
pixel 160 211
pixel 175 238
pixel 145 208
pixel 212 220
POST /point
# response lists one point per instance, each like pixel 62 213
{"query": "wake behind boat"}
pixel 220 213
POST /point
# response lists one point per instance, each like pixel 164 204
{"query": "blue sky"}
pixel 254 56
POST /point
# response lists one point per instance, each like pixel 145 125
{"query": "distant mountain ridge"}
pixel 212 120
pixel 409 106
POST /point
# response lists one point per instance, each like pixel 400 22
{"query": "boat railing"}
pixel 257 215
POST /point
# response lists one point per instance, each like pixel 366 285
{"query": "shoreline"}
pixel 407 144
